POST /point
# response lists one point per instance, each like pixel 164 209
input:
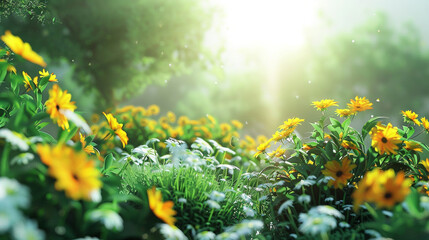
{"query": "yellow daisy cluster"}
pixel 357 105
pixel 324 104
pixel 384 188
pixel 57 104
pixel 117 128
pixel 73 171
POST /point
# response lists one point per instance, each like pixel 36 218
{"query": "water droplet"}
pixel 246 123
pixel 309 82
pixel 89 64
pixel 297 97
pixel 215 82
pixel 137 42
pixel 378 30
pixel 162 52
pixel 377 100
pixel 186 46
pixel 165 80
pixel 353 41
pixel 169 64
pixel 72 60
pixel 372 115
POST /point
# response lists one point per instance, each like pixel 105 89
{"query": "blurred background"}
pixel 260 62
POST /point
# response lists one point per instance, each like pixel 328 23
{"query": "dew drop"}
pixel 297 97
pixel 89 64
pixel 137 42
pixel 186 46
pixel 378 30
pixel 377 100
pixel 246 123
pixel 353 41
pixel 309 82
pixel 165 81
pixel 372 115
pixel 169 64
pixel 72 60
pixel 215 82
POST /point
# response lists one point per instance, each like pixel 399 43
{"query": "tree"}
pixel 119 47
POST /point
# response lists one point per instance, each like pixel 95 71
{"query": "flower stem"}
pixel 4 167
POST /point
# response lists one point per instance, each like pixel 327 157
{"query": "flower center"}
pixel 387 195
pixel 57 107
pixel 75 177
pixel 384 140
pixel 339 173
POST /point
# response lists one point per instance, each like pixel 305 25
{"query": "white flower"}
pixel 314 224
pixel 109 218
pixel 171 232
pixel 246 197
pixel 146 152
pixel 374 234
pixel 424 202
pixel 27 229
pixel 329 199
pixel 293 235
pixel 206 235
pixel 220 148
pixel 13 192
pixel 344 225
pixel 182 200
pixel 227 236
pixel 217 196
pixel 311 177
pixel 325 180
pixel 304 199
pixel 203 146
pixel 78 120
pixel 22 158
pixel 230 168
pixel 213 204
pixel 152 141
pixel 387 213
pixel 249 211
pixel 326 209
pixel 9 215
pixel 16 140
pixel 347 207
pixel 304 183
pixel 285 205
pixel 246 227
pixel 263 198
pixel 95 195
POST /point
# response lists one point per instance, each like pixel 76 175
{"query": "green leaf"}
pixel 3 71
pixel 335 123
pixel 369 125
pixel 413 203
pixel 108 161
pixel 43 83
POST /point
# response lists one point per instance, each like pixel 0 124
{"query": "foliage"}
pixel 356 182
pixel 141 41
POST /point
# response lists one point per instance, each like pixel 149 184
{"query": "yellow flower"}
pixel 262 139
pixel 291 123
pixel 23 49
pixel 183 120
pixel 359 104
pixel 410 116
pixel 27 80
pixel 57 104
pixel 393 191
pixel 278 153
pixel 425 164
pixel 211 118
pixel 345 112
pixel 87 148
pixel 262 147
pixel 340 172
pixel 237 124
pixel 385 139
pixel 163 210
pixel 43 73
pixel 152 110
pixel 279 135
pixel 171 117
pixel 366 188
pixel 225 127
pixel 349 145
pixel 307 147
pixel 117 128
pixel 11 68
pixel 425 123
pixel 324 103
pixel 75 174
pixel 52 78
pixel 413 146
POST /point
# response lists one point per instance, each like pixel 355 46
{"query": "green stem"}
pixel 324 236
pixel 5 160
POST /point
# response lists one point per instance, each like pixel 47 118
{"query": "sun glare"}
pixel 273 23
